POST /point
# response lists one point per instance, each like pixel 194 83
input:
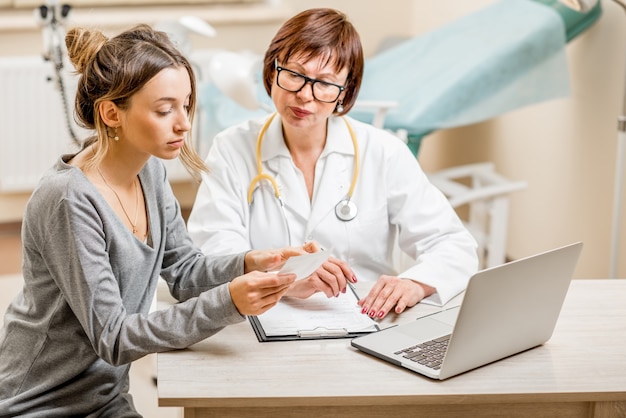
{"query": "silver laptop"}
pixel 505 310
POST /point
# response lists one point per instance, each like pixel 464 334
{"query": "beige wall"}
pixel 565 149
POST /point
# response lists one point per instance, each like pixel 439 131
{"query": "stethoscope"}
pixel 345 209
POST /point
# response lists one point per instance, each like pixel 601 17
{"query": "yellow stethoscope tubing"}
pixel 259 167
pixel 261 175
pixel 357 161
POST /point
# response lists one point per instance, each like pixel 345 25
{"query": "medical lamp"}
pixel 235 75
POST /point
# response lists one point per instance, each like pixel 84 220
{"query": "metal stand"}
pixel 619 177
pixel 52 17
pixel 618 196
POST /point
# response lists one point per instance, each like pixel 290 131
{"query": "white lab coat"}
pixel 397 206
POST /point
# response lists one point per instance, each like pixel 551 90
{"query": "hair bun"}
pixel 82 46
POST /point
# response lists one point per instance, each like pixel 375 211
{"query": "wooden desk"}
pixel 579 372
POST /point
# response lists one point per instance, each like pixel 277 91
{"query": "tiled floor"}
pixel 142 371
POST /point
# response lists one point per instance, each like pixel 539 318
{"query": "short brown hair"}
pixel 316 33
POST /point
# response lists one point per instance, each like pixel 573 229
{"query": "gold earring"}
pixel 114 137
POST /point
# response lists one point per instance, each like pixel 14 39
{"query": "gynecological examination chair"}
pixel 503 57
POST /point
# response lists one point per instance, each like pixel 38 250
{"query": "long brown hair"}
pixel 117 68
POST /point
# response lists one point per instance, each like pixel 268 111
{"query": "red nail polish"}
pixel 353 279
pixel 372 313
pixel 364 310
pixel 381 314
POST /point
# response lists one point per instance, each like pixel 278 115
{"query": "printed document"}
pixel 315 317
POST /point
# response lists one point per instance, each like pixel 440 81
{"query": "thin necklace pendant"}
pixel 133 224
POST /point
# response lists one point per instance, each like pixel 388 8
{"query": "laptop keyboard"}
pixel 429 353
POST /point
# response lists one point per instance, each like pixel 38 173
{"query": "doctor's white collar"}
pixel 337 139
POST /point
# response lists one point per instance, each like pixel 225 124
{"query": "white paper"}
pixel 317 315
pixel 305 265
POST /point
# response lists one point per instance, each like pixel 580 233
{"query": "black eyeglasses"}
pixel 292 81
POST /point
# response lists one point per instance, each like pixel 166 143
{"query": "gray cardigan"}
pixel 82 317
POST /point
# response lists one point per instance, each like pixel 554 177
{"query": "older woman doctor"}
pixel 310 174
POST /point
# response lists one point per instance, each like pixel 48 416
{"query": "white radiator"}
pixel 33 130
pixel 31 118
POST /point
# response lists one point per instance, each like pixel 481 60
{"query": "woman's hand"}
pixel 256 292
pixel 391 291
pixel 331 278
pixel 270 260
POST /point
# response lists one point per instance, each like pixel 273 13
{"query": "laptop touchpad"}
pixel 425 329
pixel 448 316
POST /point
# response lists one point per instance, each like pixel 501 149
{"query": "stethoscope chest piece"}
pixel 346 210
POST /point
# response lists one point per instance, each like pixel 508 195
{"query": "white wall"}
pixel 565 149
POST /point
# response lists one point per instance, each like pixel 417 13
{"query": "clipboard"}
pixel 317 317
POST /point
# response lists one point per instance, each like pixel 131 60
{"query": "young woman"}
pixel 308 173
pixel 103 226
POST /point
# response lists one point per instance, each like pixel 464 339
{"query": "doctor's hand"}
pixel 256 292
pixel 391 292
pixel 331 278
